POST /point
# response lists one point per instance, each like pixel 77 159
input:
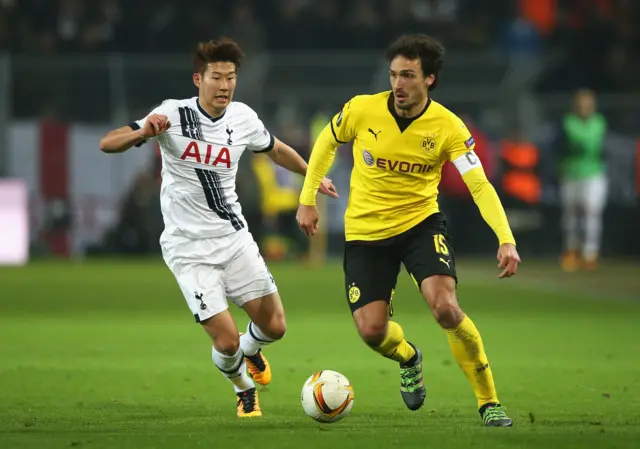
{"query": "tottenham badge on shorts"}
pixel 199 296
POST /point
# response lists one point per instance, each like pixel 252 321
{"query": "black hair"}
pixel 222 50
pixel 419 46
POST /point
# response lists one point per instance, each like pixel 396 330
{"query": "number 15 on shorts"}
pixel 440 244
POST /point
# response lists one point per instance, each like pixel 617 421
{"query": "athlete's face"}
pixel 585 104
pixel 408 83
pixel 216 84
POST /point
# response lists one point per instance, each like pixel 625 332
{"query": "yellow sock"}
pixel 394 346
pixel 466 345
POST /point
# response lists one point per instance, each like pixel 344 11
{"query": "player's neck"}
pixel 414 111
pixel 213 112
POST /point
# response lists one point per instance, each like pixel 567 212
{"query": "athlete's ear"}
pixel 196 79
pixel 430 79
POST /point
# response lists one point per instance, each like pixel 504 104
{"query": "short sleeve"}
pixel 460 147
pixel 343 124
pixel 167 107
pixel 260 139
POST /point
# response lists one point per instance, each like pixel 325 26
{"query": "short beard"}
pixel 405 106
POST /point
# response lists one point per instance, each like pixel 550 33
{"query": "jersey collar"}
pixel 206 114
pixel 404 122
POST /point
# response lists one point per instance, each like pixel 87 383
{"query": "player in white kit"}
pixel 206 243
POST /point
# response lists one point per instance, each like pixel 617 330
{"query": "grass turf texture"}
pixel 106 354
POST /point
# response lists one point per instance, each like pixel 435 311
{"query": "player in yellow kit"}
pixel 401 140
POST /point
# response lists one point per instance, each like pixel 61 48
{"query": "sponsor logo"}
pixel 368 158
pixel 375 134
pixel 192 152
pixel 402 166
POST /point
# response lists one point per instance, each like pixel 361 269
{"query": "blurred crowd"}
pixel 531 177
pixel 511 50
pixel 600 35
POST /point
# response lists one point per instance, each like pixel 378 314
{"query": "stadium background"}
pixel 75 334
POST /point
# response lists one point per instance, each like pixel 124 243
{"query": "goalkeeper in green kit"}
pixel 583 182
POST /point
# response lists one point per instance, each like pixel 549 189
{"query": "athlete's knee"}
pixel 593 212
pixel 372 333
pixel 372 329
pixel 440 293
pixel 223 332
pixel 227 344
pixel 268 315
pixel 371 321
pixel 276 326
pixel 448 313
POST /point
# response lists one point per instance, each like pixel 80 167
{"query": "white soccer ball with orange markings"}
pixel 327 396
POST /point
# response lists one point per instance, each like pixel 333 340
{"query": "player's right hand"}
pixel 508 260
pixel 307 218
pixel 155 125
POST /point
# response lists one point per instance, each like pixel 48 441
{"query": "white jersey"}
pixel 200 156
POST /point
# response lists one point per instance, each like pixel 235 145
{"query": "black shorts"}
pixel 371 268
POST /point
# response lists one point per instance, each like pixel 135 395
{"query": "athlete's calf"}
pixel 267 325
pixel 465 342
pixel 226 352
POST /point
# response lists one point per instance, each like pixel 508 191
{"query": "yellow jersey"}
pixel 398 165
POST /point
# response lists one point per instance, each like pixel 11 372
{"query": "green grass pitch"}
pixel 106 355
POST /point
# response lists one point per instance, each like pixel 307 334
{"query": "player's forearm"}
pixel 322 155
pixel 487 200
pixel 121 139
pixel 286 157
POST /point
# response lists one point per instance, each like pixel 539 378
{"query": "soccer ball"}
pixel 327 396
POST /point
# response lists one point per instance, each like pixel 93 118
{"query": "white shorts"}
pixel 588 194
pixel 211 270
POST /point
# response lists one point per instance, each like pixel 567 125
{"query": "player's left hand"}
pixel 327 188
pixel 508 260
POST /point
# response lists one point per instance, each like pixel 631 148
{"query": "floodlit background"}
pixel 97 347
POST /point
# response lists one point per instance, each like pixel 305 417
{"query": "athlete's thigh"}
pixel 370 273
pixel 570 193
pixel 595 194
pixel 223 331
pixel 265 311
pixel 202 288
pixel 200 281
pixel 427 252
pixel 247 276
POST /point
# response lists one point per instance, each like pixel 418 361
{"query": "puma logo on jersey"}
pixel 446 262
pixel 375 134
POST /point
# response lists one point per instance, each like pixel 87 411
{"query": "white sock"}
pixel 253 339
pixel 592 234
pixel 234 368
pixel 571 223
